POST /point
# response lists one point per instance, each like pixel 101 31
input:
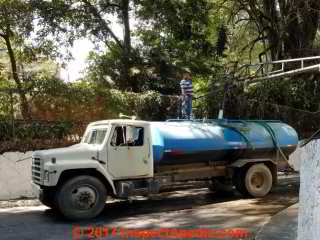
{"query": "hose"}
pixel 269 130
pixel 313 136
pixel 273 137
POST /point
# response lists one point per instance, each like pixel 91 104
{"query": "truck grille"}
pixel 36 170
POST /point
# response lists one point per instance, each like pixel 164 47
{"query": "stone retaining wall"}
pixel 15 176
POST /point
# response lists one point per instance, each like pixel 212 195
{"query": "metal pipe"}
pixel 283 61
pixel 292 72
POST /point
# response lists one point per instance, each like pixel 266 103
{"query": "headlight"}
pixel 46 175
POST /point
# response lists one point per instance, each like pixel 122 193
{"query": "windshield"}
pixel 95 136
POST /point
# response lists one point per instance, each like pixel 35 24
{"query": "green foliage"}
pixel 18 23
pixel 86 102
pixel 273 30
pixel 171 35
pixel 16 14
pixel 147 106
pixel 6 131
pixel 104 68
pixel 74 106
pixel 210 37
pixel 177 32
pixel 34 135
pixel 91 19
pixel 25 130
pixel 300 92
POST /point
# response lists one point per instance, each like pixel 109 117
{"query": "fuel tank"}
pixel 185 142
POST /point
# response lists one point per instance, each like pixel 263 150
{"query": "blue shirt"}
pixel 186 87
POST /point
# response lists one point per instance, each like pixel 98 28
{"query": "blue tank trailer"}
pixel 240 153
pixel 217 140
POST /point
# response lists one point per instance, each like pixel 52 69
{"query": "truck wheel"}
pixel 81 197
pixel 258 180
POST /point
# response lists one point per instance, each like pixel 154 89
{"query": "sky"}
pixel 80 52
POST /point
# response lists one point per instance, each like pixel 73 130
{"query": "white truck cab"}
pixel 109 151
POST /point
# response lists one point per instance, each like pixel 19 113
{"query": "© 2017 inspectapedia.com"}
pixel 90 232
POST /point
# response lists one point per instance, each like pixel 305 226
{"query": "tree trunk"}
pixel 298 23
pixel 25 110
pixel 272 28
pixel 289 25
pixel 126 63
pixel 103 24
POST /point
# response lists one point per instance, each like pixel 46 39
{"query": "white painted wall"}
pixel 309 199
pixel 15 177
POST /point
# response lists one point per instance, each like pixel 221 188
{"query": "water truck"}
pixel 123 158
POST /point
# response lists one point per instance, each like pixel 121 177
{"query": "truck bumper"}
pixel 37 190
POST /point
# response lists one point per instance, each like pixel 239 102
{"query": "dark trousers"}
pixel 186 106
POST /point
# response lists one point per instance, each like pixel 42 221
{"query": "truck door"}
pixel 128 152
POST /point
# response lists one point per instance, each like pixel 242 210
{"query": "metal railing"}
pixel 266 70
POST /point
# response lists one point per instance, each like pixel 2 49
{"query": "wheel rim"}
pixel 84 197
pixel 258 180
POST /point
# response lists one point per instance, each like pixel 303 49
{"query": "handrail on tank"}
pixel 220 120
pixel 179 120
pixel 245 120
pixel 234 120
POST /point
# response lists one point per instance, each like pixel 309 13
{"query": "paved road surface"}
pixel 183 208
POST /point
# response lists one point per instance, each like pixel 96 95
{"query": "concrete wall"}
pixel 15 177
pixel 309 198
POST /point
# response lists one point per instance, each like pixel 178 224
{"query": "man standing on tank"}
pixel 186 93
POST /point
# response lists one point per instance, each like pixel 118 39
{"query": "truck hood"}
pixel 77 151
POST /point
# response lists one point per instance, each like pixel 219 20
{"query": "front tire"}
pixel 81 197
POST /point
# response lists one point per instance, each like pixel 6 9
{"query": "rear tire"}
pixel 254 181
pixel 258 180
pixel 81 197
